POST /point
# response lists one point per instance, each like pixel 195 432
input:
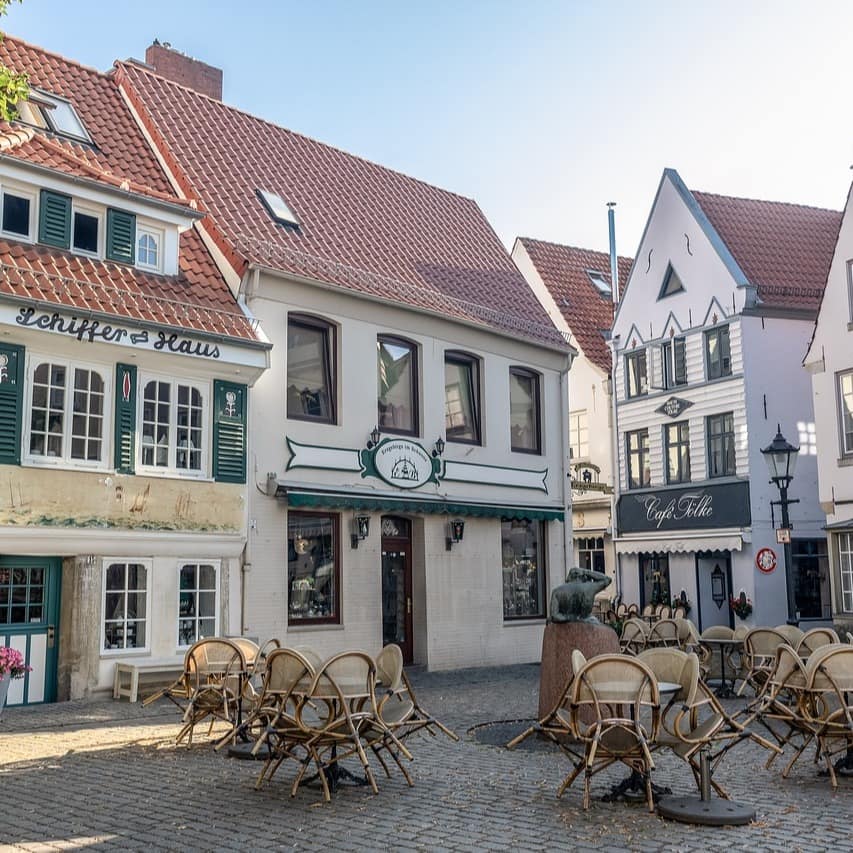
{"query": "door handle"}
pixel 51 636
pixel 408 604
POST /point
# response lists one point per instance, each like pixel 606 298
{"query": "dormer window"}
pixel 52 113
pixel 149 251
pixel 277 208
pixel 17 214
pixel 84 234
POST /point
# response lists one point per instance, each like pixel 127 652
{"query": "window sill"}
pixel 524 620
pixel 844 461
pixel 58 462
pixel 169 474
pixel 322 626
pixel 109 654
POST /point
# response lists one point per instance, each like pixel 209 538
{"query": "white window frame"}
pixel 106 373
pixel 149 571
pixel 144 229
pixel 171 470
pixel 846 450
pixel 96 213
pixel 32 197
pixel 217 568
pixel 844 542
pixel 578 425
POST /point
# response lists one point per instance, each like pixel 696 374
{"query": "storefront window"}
pixel 654 575
pixel 196 603
pixel 591 553
pixel 522 551
pixel 313 570
pixel 811 585
pixel 845 564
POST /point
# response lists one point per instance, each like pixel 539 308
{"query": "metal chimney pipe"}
pixel 614 264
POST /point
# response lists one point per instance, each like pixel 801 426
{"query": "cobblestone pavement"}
pixel 106 775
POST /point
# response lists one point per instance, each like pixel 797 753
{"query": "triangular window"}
pixel 671 283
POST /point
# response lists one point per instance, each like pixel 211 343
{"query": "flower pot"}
pixel 5 681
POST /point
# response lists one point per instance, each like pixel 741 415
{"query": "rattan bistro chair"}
pixel 791 633
pixel 664 633
pixel 634 635
pixel 759 653
pixel 815 639
pixel 608 686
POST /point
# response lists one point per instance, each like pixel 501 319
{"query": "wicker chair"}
pixel 815 639
pixel 664 633
pixel 664 611
pixel 607 686
pixel 635 633
pixel 679 612
pixel 759 654
pixel 648 610
pixel 791 633
pixel 633 610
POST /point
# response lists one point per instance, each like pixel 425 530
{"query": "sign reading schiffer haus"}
pixel 691 508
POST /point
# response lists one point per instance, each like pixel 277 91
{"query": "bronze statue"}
pixel 572 601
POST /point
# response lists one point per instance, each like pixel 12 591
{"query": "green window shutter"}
pixel 121 236
pixel 229 432
pixel 11 403
pixel 125 419
pixel 55 219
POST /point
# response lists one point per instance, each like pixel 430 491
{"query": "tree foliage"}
pixel 13 87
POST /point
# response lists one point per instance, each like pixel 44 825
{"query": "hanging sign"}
pixel 783 536
pixel 765 560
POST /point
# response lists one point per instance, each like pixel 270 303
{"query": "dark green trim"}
pixel 298 498
pixel 229 432
pixel 121 236
pixel 55 219
pixel 124 455
pixel 11 403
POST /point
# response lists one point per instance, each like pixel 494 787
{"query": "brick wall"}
pixel 183 69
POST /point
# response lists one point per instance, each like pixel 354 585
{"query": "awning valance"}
pixel 301 497
pixel 679 545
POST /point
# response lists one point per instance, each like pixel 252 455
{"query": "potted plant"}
pixel 11 666
pixel 681 601
pixel 741 606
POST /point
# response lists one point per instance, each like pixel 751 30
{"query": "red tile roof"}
pixel 197 299
pixel 784 249
pixel 563 270
pixel 362 226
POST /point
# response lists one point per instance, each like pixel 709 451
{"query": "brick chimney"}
pixel 183 69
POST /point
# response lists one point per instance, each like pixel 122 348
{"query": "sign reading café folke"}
pixel 691 508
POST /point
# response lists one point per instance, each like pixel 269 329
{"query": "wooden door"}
pixel 397 585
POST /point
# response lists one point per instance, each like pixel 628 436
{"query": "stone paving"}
pixel 106 775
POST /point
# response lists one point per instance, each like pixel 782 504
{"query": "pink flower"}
pixel 12 663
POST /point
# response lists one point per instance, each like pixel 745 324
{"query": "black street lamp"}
pixel 781 458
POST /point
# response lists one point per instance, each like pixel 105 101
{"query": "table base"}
pixel 244 751
pixel 724 691
pixel 633 789
pixel 711 812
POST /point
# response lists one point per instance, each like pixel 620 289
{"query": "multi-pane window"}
pixel 674 363
pixel 67 413
pixel 579 434
pixel 677 452
pixel 637 449
pixel 196 602
pixel 397 380
pixel 148 248
pixel 721 445
pixel 310 369
pixel 125 606
pixel 718 355
pixel 845 402
pixel 313 569
pixel 84 232
pixel 173 416
pixel 524 417
pixel 523 564
pixel 16 214
pixel 22 591
pixel 636 374
pixel 461 398
pixel 591 553
pixel 845 566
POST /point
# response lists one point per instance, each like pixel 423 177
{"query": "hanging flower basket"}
pixel 741 606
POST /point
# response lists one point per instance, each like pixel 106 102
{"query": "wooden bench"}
pixel 130 686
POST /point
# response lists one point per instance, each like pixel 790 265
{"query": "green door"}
pixel 29 622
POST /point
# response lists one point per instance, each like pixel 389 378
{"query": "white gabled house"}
pixel 708 339
pixel 830 363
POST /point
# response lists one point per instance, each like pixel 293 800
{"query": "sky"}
pixel 542 111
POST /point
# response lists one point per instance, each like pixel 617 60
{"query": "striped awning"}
pixel 677 545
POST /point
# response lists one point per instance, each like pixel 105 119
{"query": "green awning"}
pixel 300 497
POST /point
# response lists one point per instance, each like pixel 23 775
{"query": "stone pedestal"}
pixel 558 643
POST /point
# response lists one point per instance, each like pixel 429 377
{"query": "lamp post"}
pixel 781 459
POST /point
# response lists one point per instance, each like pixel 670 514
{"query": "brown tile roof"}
pixel 563 270
pixel 783 249
pixel 197 299
pixel 362 226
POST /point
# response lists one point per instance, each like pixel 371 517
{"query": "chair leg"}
pixel 402 769
pixel 650 799
pixel 523 736
pixel 567 782
pixel 381 760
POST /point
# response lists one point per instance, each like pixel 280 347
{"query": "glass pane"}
pixel 114 605
pixel 36 613
pixel 521 568
pixel 308 372
pixel 19 614
pixel 186 632
pixel 311 567
pixel 522 403
pixel 396 386
pixel 136 605
pixel 16 214
pixel 206 628
pixel 459 402
pixel 136 576
pixel 37 576
pixel 136 635
pixel 207 577
pixel 188 577
pixel 207 604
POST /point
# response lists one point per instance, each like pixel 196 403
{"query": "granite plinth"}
pixel 558 643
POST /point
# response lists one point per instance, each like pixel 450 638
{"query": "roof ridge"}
pixel 148 70
pixel 766 201
pixel 571 248
pixel 55 55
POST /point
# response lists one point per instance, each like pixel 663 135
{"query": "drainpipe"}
pixel 567 471
pixel 614 443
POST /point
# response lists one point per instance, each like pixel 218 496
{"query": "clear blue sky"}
pixel 542 111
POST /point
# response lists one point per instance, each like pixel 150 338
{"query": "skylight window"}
pixel 52 113
pixel 600 282
pixel 277 208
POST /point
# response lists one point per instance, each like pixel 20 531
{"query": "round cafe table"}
pixel 723 691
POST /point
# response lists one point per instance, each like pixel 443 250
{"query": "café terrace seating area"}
pixel 340 720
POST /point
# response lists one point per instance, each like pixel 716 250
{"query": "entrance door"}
pixel 397 584
pixel 29 619
pixel 714 582
pixel 654 579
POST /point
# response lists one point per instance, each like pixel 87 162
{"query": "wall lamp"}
pixel 360 529
pixel 439 448
pixel 457 531
pixel 375 435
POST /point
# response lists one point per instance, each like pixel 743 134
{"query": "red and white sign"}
pixel 765 560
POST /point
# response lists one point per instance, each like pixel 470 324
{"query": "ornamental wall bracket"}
pixel 673 407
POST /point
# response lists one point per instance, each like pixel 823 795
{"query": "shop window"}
pixel 721 445
pixel 591 553
pixel 311 385
pixel 636 374
pixel 845 567
pixel 718 356
pixel 397 379
pixel 197 604
pixel 810 567
pixel 637 451
pixel 313 568
pixel 524 411
pixel 462 398
pixel 173 426
pixel 522 552
pixel 677 452
pixel 654 577
pixel 125 606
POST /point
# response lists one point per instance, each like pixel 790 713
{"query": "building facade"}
pixel 574 286
pixel 408 459
pixel 125 363
pixel 830 363
pixel 708 339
